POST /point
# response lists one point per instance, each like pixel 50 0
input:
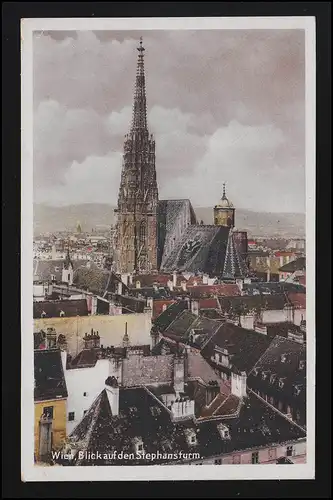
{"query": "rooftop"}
pixel 143 419
pixel 49 376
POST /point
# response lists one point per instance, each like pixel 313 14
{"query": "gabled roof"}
pixel 295 265
pixel 298 300
pixel 250 302
pixel 49 376
pixel 52 309
pixel 98 281
pixel 244 346
pixel 282 361
pixel 221 290
pixel 162 322
pixel 44 269
pixel 179 327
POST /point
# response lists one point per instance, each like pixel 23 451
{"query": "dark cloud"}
pixel 223 105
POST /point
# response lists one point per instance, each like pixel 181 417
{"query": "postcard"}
pixel 168 194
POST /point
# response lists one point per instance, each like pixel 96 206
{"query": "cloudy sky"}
pixel 223 106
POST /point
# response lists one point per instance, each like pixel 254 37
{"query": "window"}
pixel 140 447
pixel 85 394
pixel 290 451
pixel 218 461
pixel 48 412
pixel 255 457
pixel 68 277
pixel 142 232
pixel 84 412
pixel 71 416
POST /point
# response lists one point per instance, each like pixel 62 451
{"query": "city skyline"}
pixel 197 120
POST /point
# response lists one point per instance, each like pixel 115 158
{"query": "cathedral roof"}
pixel 199 249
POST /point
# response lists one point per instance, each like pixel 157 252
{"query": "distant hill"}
pixel 100 216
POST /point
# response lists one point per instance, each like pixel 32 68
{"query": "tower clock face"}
pixel 189 250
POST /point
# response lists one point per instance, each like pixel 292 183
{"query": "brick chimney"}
pixel 91 340
pixel 179 374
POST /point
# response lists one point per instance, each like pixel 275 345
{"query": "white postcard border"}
pixel 31 472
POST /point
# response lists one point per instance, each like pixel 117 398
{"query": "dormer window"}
pixel 62 314
pixel 138 445
pixel 224 431
pixel 281 383
pixel 43 314
pixel 264 375
pixel 272 378
pixel 191 436
pixel 301 365
pixel 297 390
pixel 283 358
pixel 255 371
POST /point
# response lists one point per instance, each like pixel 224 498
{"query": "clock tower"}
pixel 224 212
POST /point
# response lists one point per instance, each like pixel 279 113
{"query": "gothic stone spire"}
pixel 138 192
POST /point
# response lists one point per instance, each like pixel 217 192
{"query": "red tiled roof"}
pixel 223 290
pixel 210 303
pixel 298 300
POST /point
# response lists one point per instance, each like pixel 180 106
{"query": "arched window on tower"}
pixel 229 221
pixel 142 232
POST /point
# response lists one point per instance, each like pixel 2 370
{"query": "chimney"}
pixel 238 384
pixel 179 374
pixel 63 354
pixel 93 305
pixel 170 285
pixel 54 252
pixel 174 279
pixel 212 390
pixel 268 275
pixel 51 338
pixel 124 278
pixel 239 283
pixel 205 278
pixel 131 279
pixel 183 284
pixel 182 409
pixel 150 302
pixel 247 321
pixel 195 307
pixel 120 288
pixel 112 391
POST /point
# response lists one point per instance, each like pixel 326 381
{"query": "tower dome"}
pixel 224 202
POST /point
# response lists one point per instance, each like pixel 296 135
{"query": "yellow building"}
pixel 224 212
pixel 50 395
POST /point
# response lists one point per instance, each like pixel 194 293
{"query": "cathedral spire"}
pixel 136 235
pixel 139 119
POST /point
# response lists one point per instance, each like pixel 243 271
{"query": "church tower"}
pixel 224 212
pixel 136 230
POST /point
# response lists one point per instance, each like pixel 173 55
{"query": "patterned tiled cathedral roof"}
pixel 234 265
pixel 199 249
pixel 173 217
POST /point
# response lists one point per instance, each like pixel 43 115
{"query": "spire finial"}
pixel 140 48
pixel 224 196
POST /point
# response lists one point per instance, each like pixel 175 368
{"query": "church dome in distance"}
pixel 224 202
